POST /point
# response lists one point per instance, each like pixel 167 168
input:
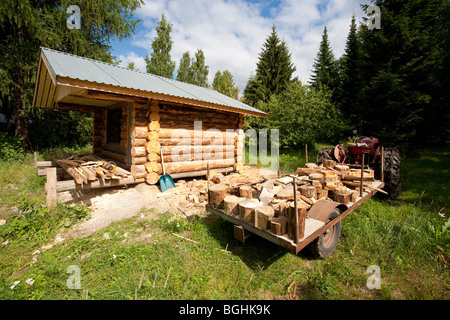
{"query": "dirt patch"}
pixel 112 204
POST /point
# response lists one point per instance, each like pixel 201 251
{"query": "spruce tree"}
pixel 325 72
pixel 350 76
pixel 273 71
pixel 160 62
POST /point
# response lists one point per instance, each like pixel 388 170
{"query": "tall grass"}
pixel 407 238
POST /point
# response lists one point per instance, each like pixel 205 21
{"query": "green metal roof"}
pixel 76 67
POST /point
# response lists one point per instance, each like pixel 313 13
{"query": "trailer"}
pixel 319 229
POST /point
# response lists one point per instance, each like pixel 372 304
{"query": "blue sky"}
pixel 231 32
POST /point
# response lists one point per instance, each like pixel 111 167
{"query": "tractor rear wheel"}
pixel 326 153
pixel 392 162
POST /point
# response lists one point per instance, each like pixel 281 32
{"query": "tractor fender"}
pixel 321 209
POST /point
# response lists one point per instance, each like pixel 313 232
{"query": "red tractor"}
pixel 371 149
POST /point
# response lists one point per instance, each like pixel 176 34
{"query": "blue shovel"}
pixel 165 181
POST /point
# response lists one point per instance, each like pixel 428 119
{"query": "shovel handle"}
pixel 162 160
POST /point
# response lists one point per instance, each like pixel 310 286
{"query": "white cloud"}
pixel 231 32
pixel 139 62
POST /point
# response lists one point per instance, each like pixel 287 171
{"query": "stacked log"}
pixel 152 146
pixel 138 138
pixel 239 144
pixel 193 137
pixel 99 135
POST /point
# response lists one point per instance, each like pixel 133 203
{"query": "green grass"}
pixel 406 238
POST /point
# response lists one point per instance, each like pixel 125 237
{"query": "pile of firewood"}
pixel 269 204
pixel 88 168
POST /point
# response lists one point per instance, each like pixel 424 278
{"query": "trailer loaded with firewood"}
pixel 298 210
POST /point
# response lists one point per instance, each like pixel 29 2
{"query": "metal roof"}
pixel 76 67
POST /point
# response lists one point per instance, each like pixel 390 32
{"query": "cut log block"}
pixel 329 163
pixel 217 194
pixel 153 156
pixel 154 116
pixel 218 178
pixel 342 168
pixel 152 146
pixel 282 209
pixel 286 193
pixel 139 160
pixel 138 142
pixel 316 177
pixel 246 192
pixel 138 152
pixel 139 132
pixel 307 171
pixel 231 205
pixel 154 126
pixel 152 166
pixel 266 196
pixel 278 225
pixel 239 167
pixel 308 191
pixel 138 171
pixel 263 215
pixel 354 196
pixel 343 197
pixel 152 178
pixel 247 209
pixel 153 135
pixel 323 194
pixel 301 213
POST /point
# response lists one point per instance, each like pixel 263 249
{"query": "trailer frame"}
pixel 314 227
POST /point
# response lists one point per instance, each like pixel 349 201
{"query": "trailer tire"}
pixel 325 244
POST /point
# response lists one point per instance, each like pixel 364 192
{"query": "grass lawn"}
pixel 141 258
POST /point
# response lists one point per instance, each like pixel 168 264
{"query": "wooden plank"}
pixel 43 172
pixel 240 233
pixel 69 185
pixel 50 187
pixel 45 164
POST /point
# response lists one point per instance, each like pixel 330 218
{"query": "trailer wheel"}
pixel 325 244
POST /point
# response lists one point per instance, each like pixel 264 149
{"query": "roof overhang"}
pixel 52 90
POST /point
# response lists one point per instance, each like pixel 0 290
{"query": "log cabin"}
pixel 139 118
